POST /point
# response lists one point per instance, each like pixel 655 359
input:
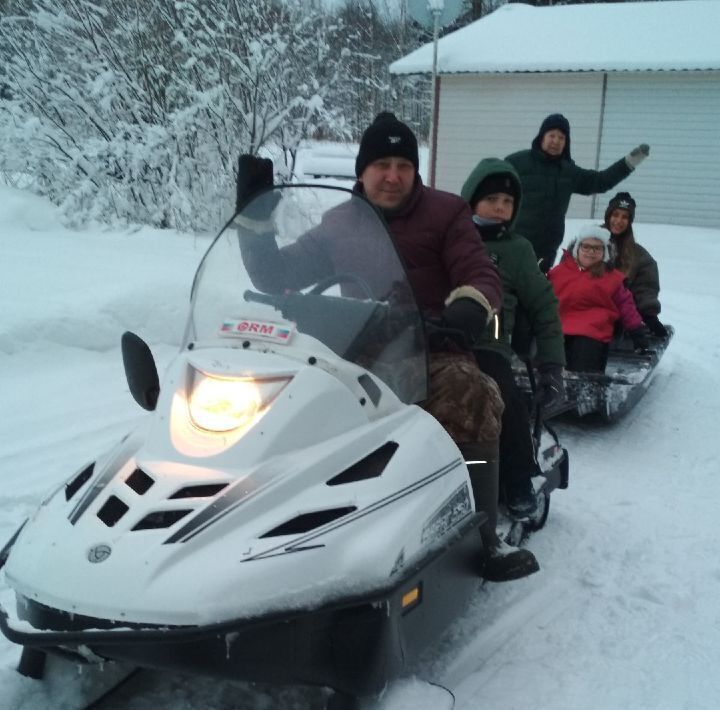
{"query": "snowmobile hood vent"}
pixel 371 466
pixel 112 510
pixel 202 490
pixel 161 519
pixel 309 521
pixel 139 481
pixel 79 481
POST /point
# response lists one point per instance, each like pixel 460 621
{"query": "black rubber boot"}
pixel 520 498
pixel 502 561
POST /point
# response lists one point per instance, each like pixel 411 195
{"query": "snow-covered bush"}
pixel 135 110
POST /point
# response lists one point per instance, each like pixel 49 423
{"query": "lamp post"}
pixel 436 7
pixel 435 14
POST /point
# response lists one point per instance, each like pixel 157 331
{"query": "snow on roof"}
pixel 669 35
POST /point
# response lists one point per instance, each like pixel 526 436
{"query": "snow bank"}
pixel 86 296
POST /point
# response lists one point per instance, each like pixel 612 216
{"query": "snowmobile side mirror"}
pixel 140 371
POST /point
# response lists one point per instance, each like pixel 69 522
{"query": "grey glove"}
pixel 637 155
pixel 551 388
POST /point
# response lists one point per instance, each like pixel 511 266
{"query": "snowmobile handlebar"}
pixel 255 297
pixel 436 332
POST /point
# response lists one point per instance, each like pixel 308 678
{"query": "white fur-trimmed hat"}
pixel 591 230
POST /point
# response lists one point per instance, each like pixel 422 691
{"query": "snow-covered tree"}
pixel 135 110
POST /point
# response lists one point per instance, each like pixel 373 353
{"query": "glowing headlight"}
pixel 225 403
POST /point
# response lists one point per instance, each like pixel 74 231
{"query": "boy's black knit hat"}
pixel 492 184
pixel 621 201
pixel 386 137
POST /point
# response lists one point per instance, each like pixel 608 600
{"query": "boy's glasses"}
pixel 592 248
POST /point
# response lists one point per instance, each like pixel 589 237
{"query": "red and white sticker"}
pixel 258 330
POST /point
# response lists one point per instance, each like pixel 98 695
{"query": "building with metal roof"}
pixel 622 73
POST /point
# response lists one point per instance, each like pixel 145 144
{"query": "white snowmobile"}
pixel 286 514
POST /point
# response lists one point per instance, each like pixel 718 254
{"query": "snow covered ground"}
pixel 624 611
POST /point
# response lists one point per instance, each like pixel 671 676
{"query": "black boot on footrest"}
pixel 504 563
pixel 520 499
pixel 501 562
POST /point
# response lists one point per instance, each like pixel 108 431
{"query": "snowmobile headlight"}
pixel 221 404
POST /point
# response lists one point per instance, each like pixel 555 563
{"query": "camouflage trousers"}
pixel 466 401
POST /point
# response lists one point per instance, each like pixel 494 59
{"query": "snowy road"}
pixel 623 613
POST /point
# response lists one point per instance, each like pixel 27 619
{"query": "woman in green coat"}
pixel 493 192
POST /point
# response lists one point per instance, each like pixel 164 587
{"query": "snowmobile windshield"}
pixel 313 261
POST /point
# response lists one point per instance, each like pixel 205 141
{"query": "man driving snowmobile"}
pixel 453 280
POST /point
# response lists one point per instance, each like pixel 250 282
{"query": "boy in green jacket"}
pixel 493 192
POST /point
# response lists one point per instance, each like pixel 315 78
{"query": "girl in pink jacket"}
pixel 592 298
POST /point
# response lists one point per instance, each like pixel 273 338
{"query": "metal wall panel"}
pixel 678 114
pixel 492 115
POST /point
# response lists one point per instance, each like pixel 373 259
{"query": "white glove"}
pixel 637 155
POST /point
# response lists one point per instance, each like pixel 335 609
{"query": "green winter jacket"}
pixel 524 285
pixel 548 184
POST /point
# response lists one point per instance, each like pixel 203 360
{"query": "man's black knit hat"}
pixel 386 137
pixel 621 201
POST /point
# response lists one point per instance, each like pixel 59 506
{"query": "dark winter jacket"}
pixel 643 280
pixel 548 184
pixel 433 234
pixel 437 241
pixel 590 306
pixel 524 285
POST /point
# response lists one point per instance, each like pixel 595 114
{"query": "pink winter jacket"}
pixel 591 306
